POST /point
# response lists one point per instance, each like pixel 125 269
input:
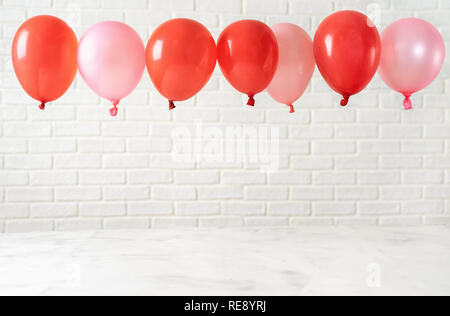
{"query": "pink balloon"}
pixel 412 57
pixel 111 59
pixel 296 64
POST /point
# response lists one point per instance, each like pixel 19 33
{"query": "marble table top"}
pixel 297 261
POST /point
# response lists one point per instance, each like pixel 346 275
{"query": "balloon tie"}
pixel 407 103
pixel 344 101
pixel 292 110
pixel 171 105
pixel 114 110
pixel 42 106
pixel 251 101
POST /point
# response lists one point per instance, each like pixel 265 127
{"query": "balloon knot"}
pixel 407 103
pixel 42 106
pixel 251 101
pixel 114 110
pixel 171 105
pixel 344 101
pixel 291 108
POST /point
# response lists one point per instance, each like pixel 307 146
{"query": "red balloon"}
pixel 248 56
pixel 347 48
pixel 44 54
pixel 181 57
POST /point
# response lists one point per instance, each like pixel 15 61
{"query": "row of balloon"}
pixel 181 56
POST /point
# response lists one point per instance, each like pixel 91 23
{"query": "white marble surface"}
pixel 301 261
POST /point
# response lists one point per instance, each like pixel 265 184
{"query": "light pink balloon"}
pixel 296 64
pixel 412 56
pixel 111 59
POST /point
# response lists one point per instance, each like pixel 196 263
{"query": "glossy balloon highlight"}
pixel 111 59
pixel 181 57
pixel 44 55
pixel 248 56
pixel 347 48
pixel 296 64
pixel 413 55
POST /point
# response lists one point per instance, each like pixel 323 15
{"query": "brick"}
pixel 125 161
pixel 13 146
pixel 401 193
pixel 53 210
pixel 400 131
pixel 312 132
pixel 428 146
pixel 129 4
pixel 29 226
pixel 13 178
pixel 333 147
pixel 437 220
pixel 121 129
pixel 126 223
pixel 401 221
pixel 356 193
pixel 229 6
pixel 149 208
pixel 333 116
pixel 102 209
pixel 264 6
pixel 28 195
pixel 334 178
pixel 352 132
pixel 311 221
pixel 281 117
pixel 243 177
pixel 379 147
pixel 401 162
pixel 78 225
pixel 266 221
pixel 77 129
pixel 77 161
pixel 423 207
pixel 150 177
pixel 220 222
pixel 423 177
pixel 53 178
pixel 437 192
pixel 174 222
pixel 308 193
pixel 197 209
pixel 102 177
pixel 288 209
pixel 358 163
pixel 196 177
pixel 243 208
pixel 263 193
pixel 222 192
pixel 357 221
pixel 93 146
pixel 8 211
pixel 179 4
pixel 154 145
pixel 375 208
pixel 379 177
pixel 49 146
pixel 126 193
pixel 76 194
pixel 28 162
pixel 289 177
pixel 311 163
pixel 174 193
pixel 27 129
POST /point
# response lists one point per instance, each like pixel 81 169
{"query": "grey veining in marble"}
pixel 302 261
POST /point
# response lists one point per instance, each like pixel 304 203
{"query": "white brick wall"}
pixel 73 167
